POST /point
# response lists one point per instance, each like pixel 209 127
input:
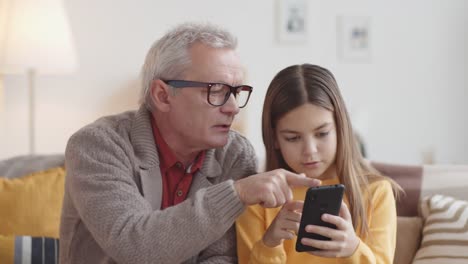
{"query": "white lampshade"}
pixel 35 34
pixel 35 38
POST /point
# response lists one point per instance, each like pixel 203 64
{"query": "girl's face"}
pixel 306 137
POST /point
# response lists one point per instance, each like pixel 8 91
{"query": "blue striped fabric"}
pixel 36 250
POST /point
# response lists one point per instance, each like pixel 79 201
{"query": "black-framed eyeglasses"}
pixel 218 93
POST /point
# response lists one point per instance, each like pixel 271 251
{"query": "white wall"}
pixel 408 100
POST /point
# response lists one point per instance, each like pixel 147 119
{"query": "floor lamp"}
pixel 35 39
pixel 2 102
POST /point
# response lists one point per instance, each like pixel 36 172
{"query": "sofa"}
pixel 432 214
pixel 424 234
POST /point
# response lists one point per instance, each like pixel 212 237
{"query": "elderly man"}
pixel 164 184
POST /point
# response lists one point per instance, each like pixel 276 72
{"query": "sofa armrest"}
pixel 23 165
pixel 409 177
pixel 408 239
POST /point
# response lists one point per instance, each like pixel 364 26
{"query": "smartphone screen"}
pixel 318 201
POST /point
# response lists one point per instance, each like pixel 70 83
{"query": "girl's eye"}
pixel 292 139
pixel 323 134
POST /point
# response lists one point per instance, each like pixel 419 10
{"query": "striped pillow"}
pixel 445 231
pixel 26 249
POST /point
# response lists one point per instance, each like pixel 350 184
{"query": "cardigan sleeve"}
pixel 100 182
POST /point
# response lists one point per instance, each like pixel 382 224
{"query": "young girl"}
pixel 306 129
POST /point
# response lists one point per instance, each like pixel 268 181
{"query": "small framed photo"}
pixel 354 38
pixel 292 21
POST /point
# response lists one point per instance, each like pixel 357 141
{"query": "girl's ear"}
pixel 160 93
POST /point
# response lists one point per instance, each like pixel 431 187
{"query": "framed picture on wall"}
pixel 354 38
pixel 292 21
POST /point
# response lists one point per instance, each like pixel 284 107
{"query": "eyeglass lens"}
pixel 220 93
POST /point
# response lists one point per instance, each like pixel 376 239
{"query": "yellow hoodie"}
pixel 377 247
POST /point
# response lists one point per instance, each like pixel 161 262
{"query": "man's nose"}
pixel 230 107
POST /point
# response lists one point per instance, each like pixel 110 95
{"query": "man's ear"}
pixel 160 93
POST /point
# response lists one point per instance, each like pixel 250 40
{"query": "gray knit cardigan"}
pixel 111 210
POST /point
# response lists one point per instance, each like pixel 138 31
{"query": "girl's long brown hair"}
pixel 301 84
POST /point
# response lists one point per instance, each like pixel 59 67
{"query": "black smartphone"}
pixel 318 201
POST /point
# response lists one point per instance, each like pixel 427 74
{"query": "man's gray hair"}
pixel 169 57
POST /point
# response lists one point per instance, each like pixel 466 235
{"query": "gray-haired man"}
pixel 164 184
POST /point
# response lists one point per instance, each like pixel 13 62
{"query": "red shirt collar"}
pixel 167 158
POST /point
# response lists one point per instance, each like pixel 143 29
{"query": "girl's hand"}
pixel 285 225
pixel 343 241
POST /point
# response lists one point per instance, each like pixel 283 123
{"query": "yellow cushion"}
pixel 7 246
pixel 31 205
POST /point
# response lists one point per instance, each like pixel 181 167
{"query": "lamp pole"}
pixel 32 107
pixel 35 38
